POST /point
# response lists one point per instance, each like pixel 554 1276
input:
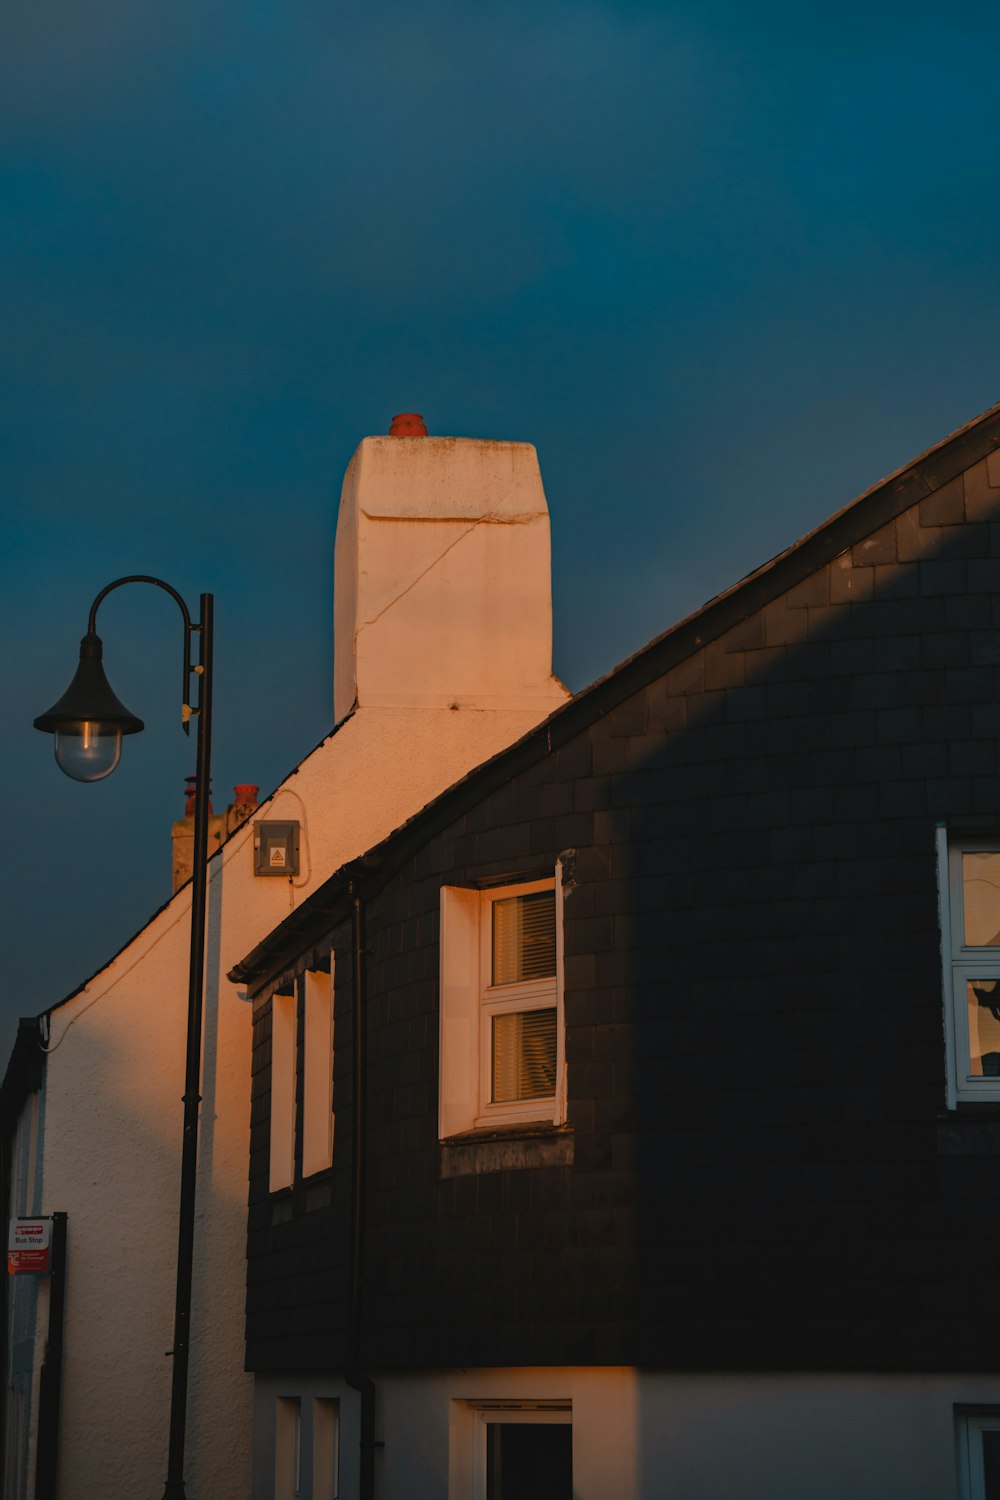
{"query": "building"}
pixel 441 565
pixel 679 1090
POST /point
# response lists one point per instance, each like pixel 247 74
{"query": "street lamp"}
pixel 88 722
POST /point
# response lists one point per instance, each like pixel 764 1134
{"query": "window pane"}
pixel 981 899
pixel 984 1027
pixel 529 1461
pixel 524 1055
pixel 991 1464
pixel 524 938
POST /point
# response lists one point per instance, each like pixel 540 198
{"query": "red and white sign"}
pixel 28 1245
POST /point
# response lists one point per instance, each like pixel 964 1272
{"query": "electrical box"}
pixel 275 848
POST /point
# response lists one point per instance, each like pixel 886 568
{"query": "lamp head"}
pixel 88 721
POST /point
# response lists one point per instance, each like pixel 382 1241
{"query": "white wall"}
pixel 422 1422
pixel 116 1061
pixel 641 1435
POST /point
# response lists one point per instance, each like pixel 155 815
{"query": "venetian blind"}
pixel 524 938
pixel 524 1055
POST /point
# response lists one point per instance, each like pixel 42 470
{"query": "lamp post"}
pixel 88 722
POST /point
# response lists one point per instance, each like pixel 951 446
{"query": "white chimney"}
pixel 442 587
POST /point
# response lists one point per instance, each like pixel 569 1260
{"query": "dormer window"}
pixel 501 1006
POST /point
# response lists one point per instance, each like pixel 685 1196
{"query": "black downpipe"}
pixel 354 1375
pixel 50 1375
pixel 7 1210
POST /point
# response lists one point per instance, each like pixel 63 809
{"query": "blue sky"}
pixel 725 265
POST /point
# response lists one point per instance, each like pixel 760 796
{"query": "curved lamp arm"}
pixel 189 629
pixel 89 720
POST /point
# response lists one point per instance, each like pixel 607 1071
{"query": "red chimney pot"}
pixel 408 424
pixel 190 796
pixel 246 796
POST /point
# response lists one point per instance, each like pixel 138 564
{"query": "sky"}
pixel 725 265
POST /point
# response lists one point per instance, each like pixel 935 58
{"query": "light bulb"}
pixel 88 749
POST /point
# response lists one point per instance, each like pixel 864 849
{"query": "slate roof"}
pixel 875 508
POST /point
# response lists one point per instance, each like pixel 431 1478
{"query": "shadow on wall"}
pixel 766 1059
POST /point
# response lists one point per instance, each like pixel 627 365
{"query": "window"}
pixel 509 1450
pixel 317 1113
pixel 325 1449
pixel 969 872
pixel 502 1055
pixel 302 1087
pixel 283 1029
pixel 979 1455
pixel 287 1448
pixel 306 1448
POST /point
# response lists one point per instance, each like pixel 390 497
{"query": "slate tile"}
pixel 850 584
pixel 987 794
pixel 724 669
pixel 922 688
pixel 938 576
pixel 913 540
pixel 969 685
pixel 897 581
pixel 852 657
pixel 984 574
pixel 985 647
pixel 896 725
pixel 812 591
pixel 748 635
pixel 982 500
pixel 924 759
pixel 782 626
pixel 948 798
pixel 986 719
pixel 879 547
pixel 953 649
pixel 945 507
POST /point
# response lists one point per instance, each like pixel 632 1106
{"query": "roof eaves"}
pixel 81 988
pixel 25 1069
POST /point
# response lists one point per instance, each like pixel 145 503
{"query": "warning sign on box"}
pixel 28 1244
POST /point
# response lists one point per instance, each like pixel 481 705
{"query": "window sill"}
pixel 509 1149
pixel 304 1196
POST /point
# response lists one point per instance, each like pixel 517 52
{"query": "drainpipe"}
pixel 50 1377
pixel 354 1375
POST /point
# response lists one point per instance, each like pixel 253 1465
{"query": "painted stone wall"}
pixel 115 1064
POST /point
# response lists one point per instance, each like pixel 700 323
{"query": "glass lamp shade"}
pixel 88 721
pixel 89 749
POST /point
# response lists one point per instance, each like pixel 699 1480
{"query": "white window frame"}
pixel 971 1426
pixel 469 1002
pixel 505 1000
pixel 284 1033
pixel 547 1413
pixel 960 964
pixel 317 1072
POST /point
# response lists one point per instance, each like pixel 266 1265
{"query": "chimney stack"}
pixel 220 826
pixel 443 590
